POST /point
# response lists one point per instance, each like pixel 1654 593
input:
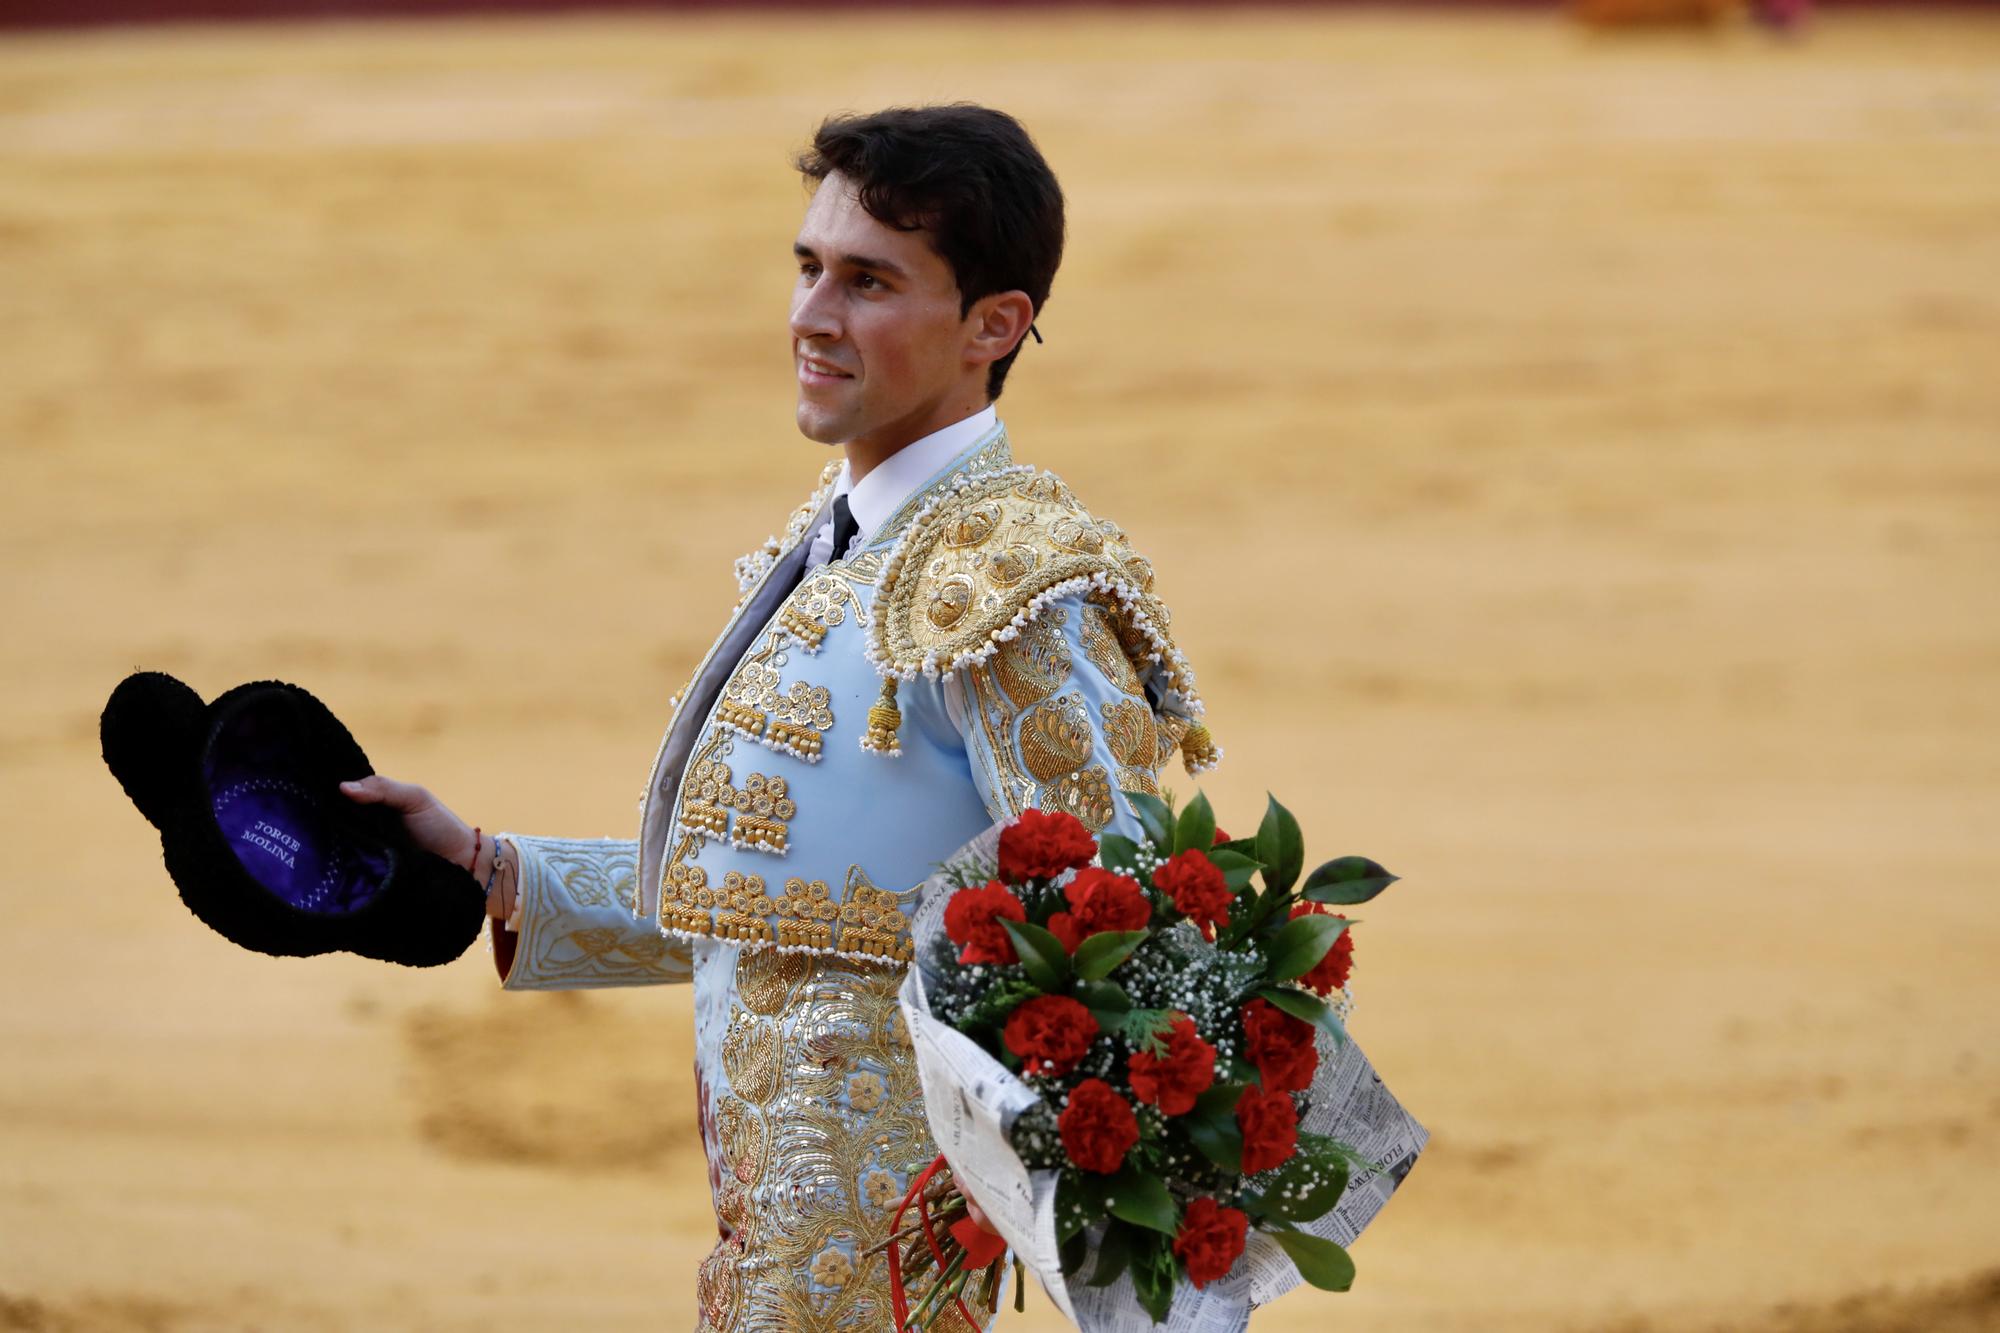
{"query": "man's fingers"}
pixel 376 789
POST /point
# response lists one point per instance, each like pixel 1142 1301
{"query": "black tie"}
pixel 844 527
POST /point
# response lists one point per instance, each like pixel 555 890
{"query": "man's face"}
pixel 878 344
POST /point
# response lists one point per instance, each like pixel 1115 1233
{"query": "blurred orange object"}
pixel 1653 13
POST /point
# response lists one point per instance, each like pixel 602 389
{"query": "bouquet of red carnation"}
pixel 1134 1061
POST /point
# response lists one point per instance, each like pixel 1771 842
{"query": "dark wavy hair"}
pixel 969 176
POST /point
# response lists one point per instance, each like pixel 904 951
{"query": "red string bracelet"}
pixel 475 851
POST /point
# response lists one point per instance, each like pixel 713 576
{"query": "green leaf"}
pixel 1299 945
pixel 1320 1262
pixel 1236 868
pixel 1218 1137
pixel 1041 954
pixel 1114 1251
pixel 1219 1100
pixel 1073 1252
pixel 1142 1200
pixel 1280 847
pixel 1346 879
pixel 1156 819
pixel 1100 953
pixel 1307 1186
pixel 1299 1004
pixel 1154 1274
pixel 1147 1029
pixel 1074 1207
pixel 1241 846
pixel 992 1008
pixel 1118 853
pixel 1196 828
pixel 1107 1001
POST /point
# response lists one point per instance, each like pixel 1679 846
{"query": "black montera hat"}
pixel 258 837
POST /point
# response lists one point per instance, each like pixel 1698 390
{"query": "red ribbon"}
pixel 990 1248
pixel 982 1246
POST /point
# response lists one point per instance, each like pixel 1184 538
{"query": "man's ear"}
pixel 996 324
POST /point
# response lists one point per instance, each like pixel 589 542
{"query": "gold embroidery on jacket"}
pixel 1035 665
pixel 1128 729
pixel 755 703
pixel 586 876
pixel 754 817
pixel 1100 645
pixel 1016 788
pixel 1139 780
pixel 868 921
pixel 1085 793
pixel 1056 736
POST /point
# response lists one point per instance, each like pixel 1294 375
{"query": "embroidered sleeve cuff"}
pixel 571 928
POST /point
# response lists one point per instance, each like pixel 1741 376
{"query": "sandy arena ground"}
pixel 1573 462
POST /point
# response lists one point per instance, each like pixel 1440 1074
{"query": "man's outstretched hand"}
pixel 433 827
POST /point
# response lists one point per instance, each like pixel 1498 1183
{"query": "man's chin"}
pixel 821 428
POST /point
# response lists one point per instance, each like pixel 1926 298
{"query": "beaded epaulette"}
pixel 981 560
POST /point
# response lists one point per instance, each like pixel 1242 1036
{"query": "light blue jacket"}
pixel 992 648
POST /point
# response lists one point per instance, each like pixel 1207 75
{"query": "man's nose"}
pixel 814 312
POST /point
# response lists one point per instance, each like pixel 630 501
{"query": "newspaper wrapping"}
pixel 971 1101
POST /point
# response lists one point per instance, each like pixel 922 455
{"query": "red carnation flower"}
pixel 1220 837
pixel 972 920
pixel 1197 888
pixel 1270 1125
pixel 1280 1046
pixel 1050 1033
pixel 1039 845
pixel 1210 1239
pixel 1099 900
pixel 1330 973
pixel 1097 1127
pixel 1172 1081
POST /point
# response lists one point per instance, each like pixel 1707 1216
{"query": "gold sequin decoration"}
pixel 1100 645
pixel 750 1056
pixel 1017 788
pixel 1085 794
pixel 1128 730
pixel 824 598
pixel 1139 780
pixel 1034 664
pixel 766 978
pixel 740 1133
pixel 715 1288
pixel 755 816
pixel 756 703
pixel 942 605
pixel 1056 736
pixel 797 1258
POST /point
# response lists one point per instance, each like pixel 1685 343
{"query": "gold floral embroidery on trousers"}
pixel 820 1129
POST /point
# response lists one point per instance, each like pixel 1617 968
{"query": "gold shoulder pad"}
pixel 982 559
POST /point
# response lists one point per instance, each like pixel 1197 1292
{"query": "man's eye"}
pixel 868 281
pixel 809 270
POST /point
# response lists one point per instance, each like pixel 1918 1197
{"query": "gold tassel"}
pixel 1198 751
pixel 884 721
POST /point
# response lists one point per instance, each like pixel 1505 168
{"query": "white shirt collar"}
pixel 879 494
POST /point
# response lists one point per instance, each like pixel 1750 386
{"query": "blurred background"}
pixel 1569 438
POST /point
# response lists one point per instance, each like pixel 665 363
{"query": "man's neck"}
pixel 865 455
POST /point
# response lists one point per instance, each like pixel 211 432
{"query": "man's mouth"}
pixel 813 367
